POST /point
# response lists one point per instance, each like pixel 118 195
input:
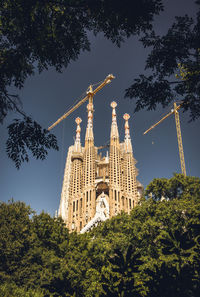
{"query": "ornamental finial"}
pixel 114 129
pixel 78 129
pixel 127 140
pixel 77 144
pixel 78 121
pixel 126 116
pixel 126 126
pixel 113 104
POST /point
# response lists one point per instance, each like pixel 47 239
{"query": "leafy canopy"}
pixel 175 187
pixel 153 252
pixel 174 67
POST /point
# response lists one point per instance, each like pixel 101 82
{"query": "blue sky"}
pixel 47 96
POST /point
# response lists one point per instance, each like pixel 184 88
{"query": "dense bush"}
pixel 154 251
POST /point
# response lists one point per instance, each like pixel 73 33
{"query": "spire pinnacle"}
pixel 77 144
pixel 113 105
pixel 89 130
pixel 114 128
pixel 127 140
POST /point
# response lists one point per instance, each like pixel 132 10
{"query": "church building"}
pixel 96 188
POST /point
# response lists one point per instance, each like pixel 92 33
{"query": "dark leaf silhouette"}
pixel 174 62
pixel 27 135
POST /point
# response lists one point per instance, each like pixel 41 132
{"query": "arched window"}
pixel 73 206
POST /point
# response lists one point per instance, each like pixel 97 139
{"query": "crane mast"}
pixel 89 96
pixel 178 131
pixel 180 143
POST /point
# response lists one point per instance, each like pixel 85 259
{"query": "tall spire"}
pixel 115 173
pixel 127 140
pixel 77 144
pixel 114 129
pixel 129 170
pixel 89 131
pixel 89 166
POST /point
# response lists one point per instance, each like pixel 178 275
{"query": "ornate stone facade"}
pixel 96 188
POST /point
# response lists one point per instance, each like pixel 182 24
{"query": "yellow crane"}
pixel 103 146
pixel 178 130
pixel 89 96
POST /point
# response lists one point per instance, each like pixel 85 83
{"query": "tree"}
pixel 166 281
pixel 46 259
pixel 166 235
pixel 153 251
pixel 176 187
pixel 27 135
pixel 35 35
pixel 12 290
pixel 174 62
pixel 121 280
pixel 32 253
pixel 15 237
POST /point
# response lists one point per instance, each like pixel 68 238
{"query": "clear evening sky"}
pixel 47 96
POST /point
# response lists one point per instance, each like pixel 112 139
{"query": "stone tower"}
pixel 115 166
pixel 96 188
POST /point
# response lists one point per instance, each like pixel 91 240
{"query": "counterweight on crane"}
pixel 178 130
pixel 90 95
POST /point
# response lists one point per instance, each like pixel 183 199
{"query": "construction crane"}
pixel 90 95
pixel 178 130
pixel 103 146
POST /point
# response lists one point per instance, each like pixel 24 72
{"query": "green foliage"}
pixel 15 237
pixel 171 54
pixel 154 251
pixel 11 290
pixel 176 187
pixel 121 280
pixel 32 250
pixel 29 135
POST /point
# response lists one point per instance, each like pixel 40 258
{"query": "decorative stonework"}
pixel 96 188
pixel 101 215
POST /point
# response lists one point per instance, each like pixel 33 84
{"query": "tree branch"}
pixel 175 82
pixel 14 104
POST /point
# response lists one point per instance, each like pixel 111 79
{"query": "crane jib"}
pixel 178 131
pixel 90 94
